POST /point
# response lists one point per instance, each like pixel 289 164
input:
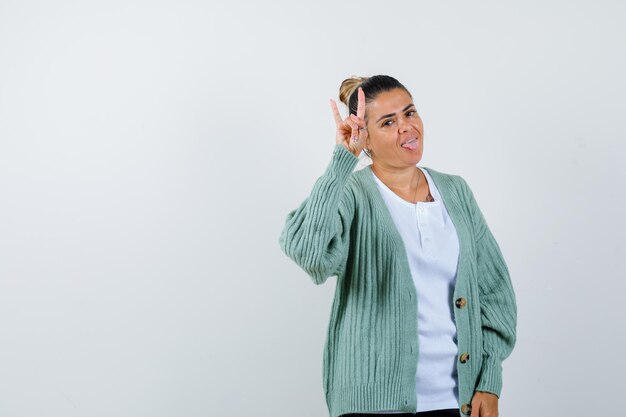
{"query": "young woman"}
pixel 424 311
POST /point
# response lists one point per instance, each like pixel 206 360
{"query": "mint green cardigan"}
pixel 344 229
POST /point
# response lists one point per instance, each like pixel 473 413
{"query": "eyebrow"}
pixel 393 114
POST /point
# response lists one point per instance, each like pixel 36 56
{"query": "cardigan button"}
pixel 464 357
pixel 466 409
pixel 460 302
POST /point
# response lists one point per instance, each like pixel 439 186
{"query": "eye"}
pixel 410 113
pixel 387 121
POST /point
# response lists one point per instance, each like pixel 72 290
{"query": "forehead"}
pixel 392 101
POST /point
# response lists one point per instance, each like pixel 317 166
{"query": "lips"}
pixel 410 144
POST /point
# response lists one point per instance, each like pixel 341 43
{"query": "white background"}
pixel 150 152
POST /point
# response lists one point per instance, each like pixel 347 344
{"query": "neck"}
pixel 397 178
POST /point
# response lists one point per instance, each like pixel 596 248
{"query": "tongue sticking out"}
pixel 412 144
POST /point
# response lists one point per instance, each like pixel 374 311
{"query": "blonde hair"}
pixel 372 87
pixel 348 87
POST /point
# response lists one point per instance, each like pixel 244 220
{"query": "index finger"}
pixel 360 110
pixel 336 114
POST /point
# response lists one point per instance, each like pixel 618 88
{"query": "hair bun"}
pixel 348 87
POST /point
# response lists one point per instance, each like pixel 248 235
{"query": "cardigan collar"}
pixel 444 183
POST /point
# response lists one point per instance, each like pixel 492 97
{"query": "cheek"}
pixel 379 140
pixel 384 140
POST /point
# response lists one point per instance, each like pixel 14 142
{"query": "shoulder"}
pixel 454 185
pixel 451 182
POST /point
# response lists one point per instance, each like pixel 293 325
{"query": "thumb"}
pixel 475 407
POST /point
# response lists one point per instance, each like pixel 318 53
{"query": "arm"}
pixel 316 235
pixel 497 301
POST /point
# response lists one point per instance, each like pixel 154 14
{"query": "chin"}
pixel 415 156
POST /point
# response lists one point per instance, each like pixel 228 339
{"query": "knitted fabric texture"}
pixel 344 229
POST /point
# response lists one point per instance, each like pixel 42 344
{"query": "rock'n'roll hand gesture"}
pixel 351 131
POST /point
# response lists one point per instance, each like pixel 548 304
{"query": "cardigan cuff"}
pixel 343 162
pixel 491 376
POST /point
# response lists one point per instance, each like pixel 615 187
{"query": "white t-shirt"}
pixel 432 247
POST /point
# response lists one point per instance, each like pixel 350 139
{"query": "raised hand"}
pixel 351 131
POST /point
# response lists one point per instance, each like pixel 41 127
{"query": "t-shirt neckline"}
pixel 425 204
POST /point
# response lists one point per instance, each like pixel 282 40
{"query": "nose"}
pixel 403 125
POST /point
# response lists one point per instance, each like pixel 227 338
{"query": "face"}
pixel 392 120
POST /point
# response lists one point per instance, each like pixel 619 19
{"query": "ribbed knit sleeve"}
pixel 316 235
pixel 497 301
